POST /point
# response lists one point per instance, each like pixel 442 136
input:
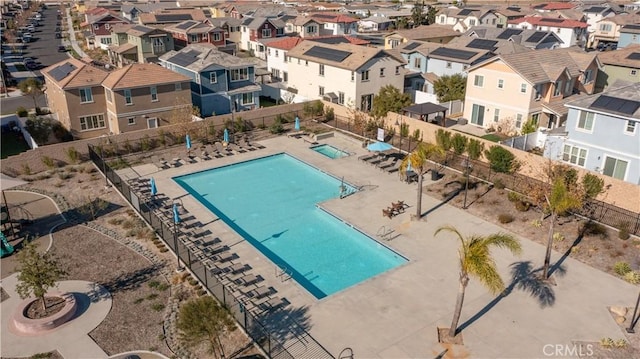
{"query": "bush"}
pixel 40 129
pixel 513 197
pixel 621 268
pixel 498 184
pixel 623 230
pixel 61 133
pixel 594 229
pixel 505 218
pixel 558 237
pixel 26 169
pixel 329 114
pixel 157 307
pixel 22 112
pixel 276 128
pixel 501 160
pixel 49 162
pixel 632 277
pixel 522 206
pixel 72 154
pixel 152 296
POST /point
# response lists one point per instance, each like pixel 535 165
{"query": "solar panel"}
pixel 173 17
pixel 141 28
pixel 634 56
pixel 62 71
pixel 508 33
pixel 595 9
pixel 332 40
pixel 454 53
pixel 185 58
pixel 327 54
pixel 628 107
pixel 412 46
pixel 536 36
pixel 465 12
pixel 482 44
pixel 185 25
pixel 632 27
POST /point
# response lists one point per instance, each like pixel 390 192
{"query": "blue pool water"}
pixel 330 151
pixel 271 202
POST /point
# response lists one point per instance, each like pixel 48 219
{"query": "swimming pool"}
pixel 272 203
pixel 330 151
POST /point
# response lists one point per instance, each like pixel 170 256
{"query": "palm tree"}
pixel 476 261
pixel 419 160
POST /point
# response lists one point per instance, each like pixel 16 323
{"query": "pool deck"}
pixel 395 314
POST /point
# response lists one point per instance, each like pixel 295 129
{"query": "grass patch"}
pixel 267 101
pixel 13 144
pixel 21 67
pixel 492 137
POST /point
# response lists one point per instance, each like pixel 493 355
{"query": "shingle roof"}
pixel 620 57
pixel 622 90
pixel 506 45
pixel 359 55
pixel 555 6
pixel 140 75
pixel 206 55
pixel 553 22
pixel 428 32
pixel 81 74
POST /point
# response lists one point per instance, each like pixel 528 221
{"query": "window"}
pixel 127 97
pixel 341 98
pixel 478 81
pixel 614 167
pixel 266 32
pixel 92 122
pixel 131 121
pixel 556 90
pixel 109 95
pixel 275 73
pixel 352 76
pixel 633 72
pixel 574 155
pixel 394 43
pixel 216 36
pixel 397 70
pixel 523 88
pixel 500 83
pixel 154 93
pixel 630 128
pixel 193 38
pixel 178 86
pixel 567 87
pixel 107 26
pixel 240 74
pixel 247 98
pixel 588 76
pixel 105 41
pixel 382 72
pixel 605 27
pixel 285 76
pixel 585 122
pixel 321 69
pixel 85 95
pixel 538 92
pixel 311 29
pixel 152 122
pixel 472 22
pixel 448 65
pixel 321 90
pixel 366 101
pixel 416 62
pixel 244 29
pixel 496 115
pixel 277 53
pixel 213 78
pixel 519 120
pixel 365 75
pixel 284 56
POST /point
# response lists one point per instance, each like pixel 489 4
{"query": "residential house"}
pixel 375 24
pixel 256 29
pixel 220 83
pixel 140 96
pixel 553 6
pixel 137 43
pixel 602 133
pixel 335 24
pixel 502 41
pixel 232 28
pixel 622 64
pixel 504 15
pixel 194 32
pixel 510 89
pixel 440 34
pixel 463 19
pixel 629 35
pixel 608 29
pixel 303 26
pixel 75 94
pixel 594 14
pixel 346 74
pixel 171 16
pixel 132 11
pixel 100 22
pixel 571 32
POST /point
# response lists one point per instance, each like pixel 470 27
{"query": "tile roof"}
pixel 140 75
pixel 428 32
pixel 623 19
pixel 332 18
pixel 555 6
pixel 82 75
pixel 543 66
pixel 284 43
pixel 553 22
pixel 358 55
pixel 620 58
pixel 558 106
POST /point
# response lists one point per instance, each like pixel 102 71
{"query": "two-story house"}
pixel 602 133
pixel 346 74
pixel 232 28
pixel 510 89
pixel 170 16
pixel 439 34
pixel 335 24
pixel 505 14
pixel 463 19
pixel 137 43
pixel 629 35
pixel 594 14
pixel 75 94
pixel 622 64
pixel 502 41
pixel 140 96
pixel 100 27
pixel 220 83
pixel 132 11
pixel 571 32
pixel 608 29
pixel 303 26
pixel 256 29
pixel 194 32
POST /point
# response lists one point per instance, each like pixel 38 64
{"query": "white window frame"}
pixel 266 33
pixel 365 76
pixel 417 62
pixel 87 94
pixel 519 118
pixel 321 70
pixel 217 37
pixel 341 98
pixel 131 121
pixel 501 84
pixel 496 115
pixel 584 117
pixel 245 101
pixel 311 29
pixel 239 74
pixel 152 120
pixel 557 90
pixel 213 78
pixel 523 88
pixel 154 93
pixel 95 119
pixel 193 38
pixel 574 155
pixel 626 170
pixel 321 90
pixel 478 81
pixel 128 99
pixel 630 124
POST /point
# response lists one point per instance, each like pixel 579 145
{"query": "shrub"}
pixel 61 133
pixel 153 284
pixel 163 249
pixel 501 159
pixel 157 307
pixel 606 342
pixel 513 197
pixel 65 175
pixel 49 162
pixel 498 184
pixel 26 169
pixel 621 268
pixel 72 154
pixel 536 223
pixel 505 218
pixel 115 221
pixel 632 277
pixel 22 112
pixel 623 230
pixel 201 292
pixel 329 114
pixel 558 237
pixel 594 229
pixel 522 206
pixel 152 296
pixel 620 343
pixel 40 129
pixel 138 301
pixel 276 128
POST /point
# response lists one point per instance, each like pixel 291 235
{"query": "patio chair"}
pixel 398 207
pixel 246 145
pixel 394 168
pixel 247 279
pixel 259 292
pixel 236 148
pixel 377 160
pixel 271 304
pixel 160 163
pixel 389 161
pixel 387 213
pixel 367 156
pixel 223 150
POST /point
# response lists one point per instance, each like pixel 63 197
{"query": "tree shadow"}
pixel 131 280
pixel 526 278
pixel 557 266
pixel 283 324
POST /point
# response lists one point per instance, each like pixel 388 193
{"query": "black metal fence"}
pixel 271 342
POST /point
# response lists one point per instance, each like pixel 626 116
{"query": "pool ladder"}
pixel 384 233
pixel 283 273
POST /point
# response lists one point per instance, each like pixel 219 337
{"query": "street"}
pixel 9 105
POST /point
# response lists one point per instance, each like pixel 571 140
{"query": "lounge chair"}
pixel 246 145
pixel 367 157
pixel 296 134
pixel 259 292
pixel 386 163
pixel 247 279
pixel 236 148
pixel 160 163
pixel 377 160
pixel 223 150
pixel 398 207
pixel 394 168
pixel 387 213
pixel 271 304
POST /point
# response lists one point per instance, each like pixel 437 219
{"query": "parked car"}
pixel 58 35
pixel 62 48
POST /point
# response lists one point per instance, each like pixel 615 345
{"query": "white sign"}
pixel 380 134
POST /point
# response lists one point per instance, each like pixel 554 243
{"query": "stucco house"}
pixel 137 43
pixel 629 35
pixel 571 32
pixel 608 29
pixel 440 34
pixel 622 64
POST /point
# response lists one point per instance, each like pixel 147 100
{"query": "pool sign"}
pixel 380 134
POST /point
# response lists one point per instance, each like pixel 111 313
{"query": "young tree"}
pixel 474 150
pixel 501 160
pixel 38 273
pixel 459 143
pixel 388 99
pixel 450 88
pixel 431 15
pixel 419 160
pixel 476 261
pixel 205 320
pixel 443 139
pixel 181 117
pixel 529 127
pixel 31 87
pixel 417 14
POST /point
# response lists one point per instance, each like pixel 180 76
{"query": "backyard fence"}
pixel 280 338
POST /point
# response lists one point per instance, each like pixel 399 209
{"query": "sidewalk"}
pixel 72 37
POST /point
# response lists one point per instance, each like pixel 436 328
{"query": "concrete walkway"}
pixel 72 36
pixel 71 339
pixel 395 314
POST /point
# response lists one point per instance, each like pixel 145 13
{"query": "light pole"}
pixel 176 220
pixel 634 320
pixel 466 182
pixel 400 128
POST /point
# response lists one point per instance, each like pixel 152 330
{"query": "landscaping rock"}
pixel 618 310
pixel 620 319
